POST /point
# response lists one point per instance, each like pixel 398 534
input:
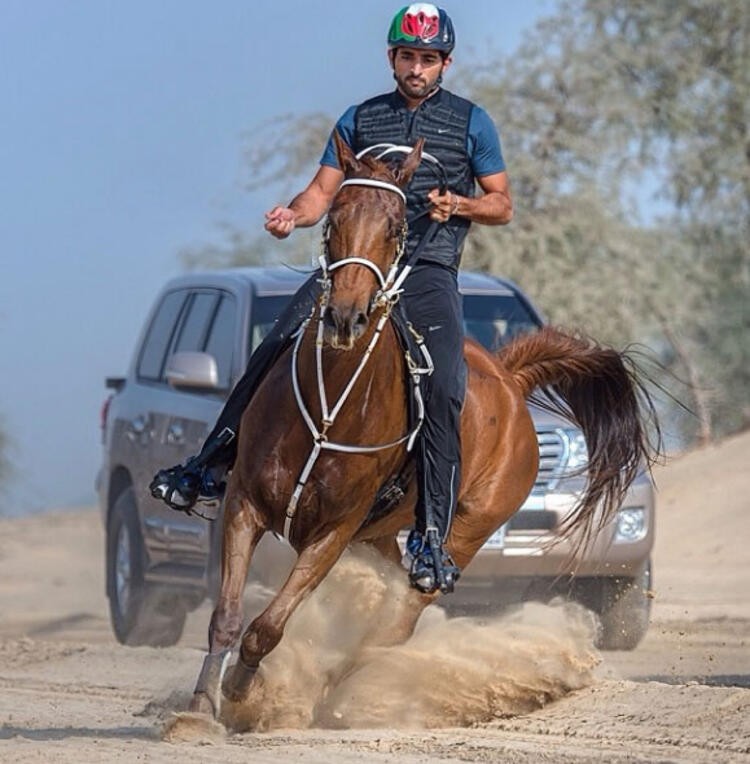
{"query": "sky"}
pixel 122 130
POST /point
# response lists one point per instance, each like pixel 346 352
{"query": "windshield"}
pixel 490 319
pixel 494 320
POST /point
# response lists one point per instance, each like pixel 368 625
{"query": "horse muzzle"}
pixel 344 326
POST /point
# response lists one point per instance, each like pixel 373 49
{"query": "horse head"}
pixel 365 236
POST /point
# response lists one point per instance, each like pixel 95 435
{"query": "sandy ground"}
pixel 527 688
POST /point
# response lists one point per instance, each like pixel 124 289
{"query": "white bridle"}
pixel 390 288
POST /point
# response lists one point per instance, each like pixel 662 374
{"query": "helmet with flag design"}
pixel 422 25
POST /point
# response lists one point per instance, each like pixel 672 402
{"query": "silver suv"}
pixel 195 345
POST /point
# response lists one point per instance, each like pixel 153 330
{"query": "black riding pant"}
pixel 433 306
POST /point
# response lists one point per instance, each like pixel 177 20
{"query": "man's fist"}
pixel 280 222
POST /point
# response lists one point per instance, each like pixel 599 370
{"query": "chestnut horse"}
pixel 311 468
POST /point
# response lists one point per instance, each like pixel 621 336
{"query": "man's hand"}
pixel 494 207
pixel 280 222
pixel 443 206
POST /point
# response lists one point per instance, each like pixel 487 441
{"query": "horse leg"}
pixel 265 632
pixel 397 631
pixel 241 535
pixel 388 547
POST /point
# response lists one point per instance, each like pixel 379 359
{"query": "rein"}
pixel 386 297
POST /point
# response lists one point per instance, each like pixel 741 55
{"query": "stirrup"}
pixel 432 568
pixel 183 486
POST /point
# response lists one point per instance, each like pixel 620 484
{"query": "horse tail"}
pixel 599 389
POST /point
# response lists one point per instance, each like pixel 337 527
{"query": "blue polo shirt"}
pixel 482 142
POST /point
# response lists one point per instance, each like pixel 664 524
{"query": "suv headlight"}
pixel 578 454
pixel 631 525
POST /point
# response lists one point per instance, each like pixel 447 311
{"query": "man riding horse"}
pixel 462 138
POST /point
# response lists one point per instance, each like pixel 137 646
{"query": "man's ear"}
pixel 348 163
pixel 409 165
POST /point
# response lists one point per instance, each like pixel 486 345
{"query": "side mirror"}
pixel 192 370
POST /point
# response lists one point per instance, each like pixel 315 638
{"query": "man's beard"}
pixel 416 87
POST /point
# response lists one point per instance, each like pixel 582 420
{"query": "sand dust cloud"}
pixel 328 670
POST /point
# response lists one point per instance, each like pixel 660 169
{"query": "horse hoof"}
pixel 233 691
pixel 201 704
pixel 236 685
pixel 192 727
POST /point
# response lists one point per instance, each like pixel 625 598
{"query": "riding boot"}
pixel 198 480
pixel 202 477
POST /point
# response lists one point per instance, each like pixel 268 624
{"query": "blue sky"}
pixel 121 140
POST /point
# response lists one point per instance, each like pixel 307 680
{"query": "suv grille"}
pixel 551 454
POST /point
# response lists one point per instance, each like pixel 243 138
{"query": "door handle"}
pixel 175 434
pixel 138 425
pixel 138 428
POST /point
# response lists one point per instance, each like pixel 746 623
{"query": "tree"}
pixel 602 101
pixel 625 123
pixel 280 154
pixel 689 62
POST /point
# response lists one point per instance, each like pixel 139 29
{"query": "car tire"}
pixel 141 614
pixel 624 608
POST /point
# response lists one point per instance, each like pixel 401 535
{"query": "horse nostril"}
pixel 360 323
pixel 329 318
pixel 344 327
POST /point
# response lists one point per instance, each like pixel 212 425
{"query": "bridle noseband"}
pixel 389 289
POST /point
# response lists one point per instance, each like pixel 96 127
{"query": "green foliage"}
pixel 603 102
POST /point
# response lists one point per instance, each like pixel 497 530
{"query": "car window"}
pixel 266 310
pixel 220 342
pixel 490 319
pixel 159 336
pixel 494 320
pixel 194 328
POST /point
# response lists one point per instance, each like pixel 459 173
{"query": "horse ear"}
pixel 410 164
pixel 348 163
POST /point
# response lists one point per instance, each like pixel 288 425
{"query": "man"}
pixel 463 138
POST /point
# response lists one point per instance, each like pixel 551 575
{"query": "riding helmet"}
pixel 422 25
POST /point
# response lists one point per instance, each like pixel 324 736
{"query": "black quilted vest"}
pixel 443 121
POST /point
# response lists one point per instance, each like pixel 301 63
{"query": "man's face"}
pixel 417 70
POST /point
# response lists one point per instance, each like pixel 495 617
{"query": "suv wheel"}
pixel 141 614
pixel 624 607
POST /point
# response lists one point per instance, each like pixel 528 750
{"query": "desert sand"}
pixel 528 687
